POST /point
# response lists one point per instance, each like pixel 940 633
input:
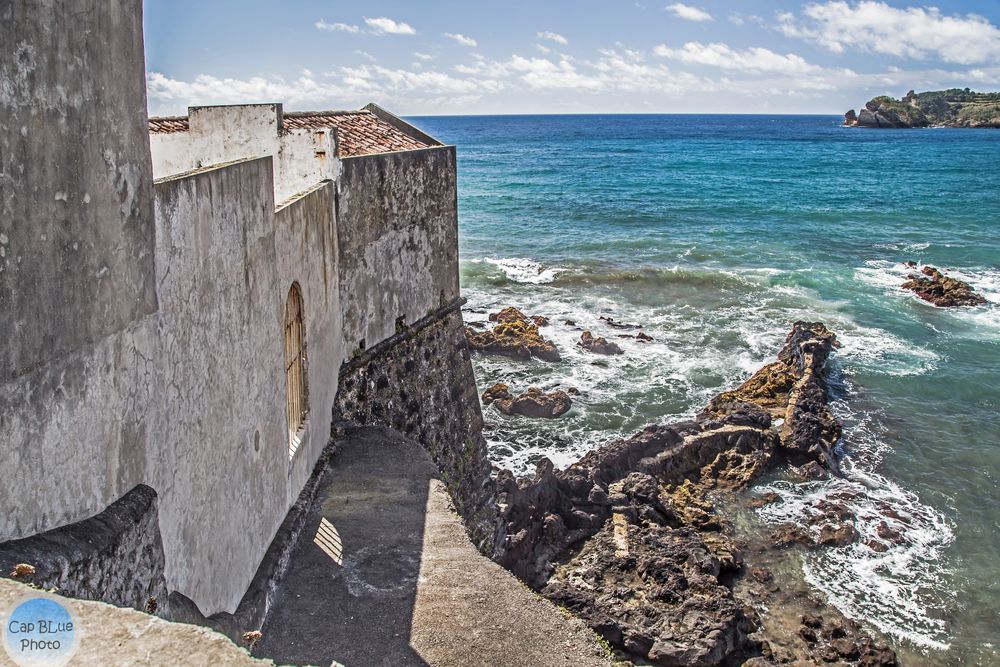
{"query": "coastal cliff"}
pixel 954 107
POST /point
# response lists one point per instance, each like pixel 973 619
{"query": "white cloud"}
pixel 461 39
pixel 616 79
pixel 989 76
pixel 423 56
pixel 755 59
pixel 383 26
pixel 553 36
pixel 542 73
pixel 542 48
pixel 366 55
pixel 173 95
pixel 332 27
pixel 913 32
pixel 688 12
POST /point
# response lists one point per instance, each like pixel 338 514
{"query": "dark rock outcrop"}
pixel 532 403
pixel 598 345
pixel 941 290
pixel 628 537
pixel 615 324
pixel 515 335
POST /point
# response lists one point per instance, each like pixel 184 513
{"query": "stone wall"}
pixel 397 228
pixel 76 258
pixel 143 323
pixel 420 382
pixel 116 556
pixel 301 157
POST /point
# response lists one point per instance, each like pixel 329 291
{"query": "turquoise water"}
pixel 716 233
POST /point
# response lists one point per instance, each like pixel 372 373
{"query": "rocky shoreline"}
pixel 955 107
pixel 631 538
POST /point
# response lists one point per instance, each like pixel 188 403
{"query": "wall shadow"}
pixel 349 593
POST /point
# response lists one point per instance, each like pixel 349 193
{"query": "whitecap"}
pixel 902 585
pixel 524 270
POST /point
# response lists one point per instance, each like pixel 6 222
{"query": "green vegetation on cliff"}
pixel 954 107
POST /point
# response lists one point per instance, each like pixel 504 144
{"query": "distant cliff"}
pixel 940 108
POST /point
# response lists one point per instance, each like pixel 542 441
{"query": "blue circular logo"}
pixel 40 631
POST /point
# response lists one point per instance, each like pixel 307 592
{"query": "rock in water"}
pixel 532 403
pixel 941 290
pixel 628 538
pixel 515 335
pixel 850 118
pixel 598 345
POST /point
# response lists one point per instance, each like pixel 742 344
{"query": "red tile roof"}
pixel 168 124
pixel 359 132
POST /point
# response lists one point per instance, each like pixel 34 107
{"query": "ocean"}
pixel 716 233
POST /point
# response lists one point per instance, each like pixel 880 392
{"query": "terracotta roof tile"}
pixel 360 132
pixel 168 124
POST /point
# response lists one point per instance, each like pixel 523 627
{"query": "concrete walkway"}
pixel 385 576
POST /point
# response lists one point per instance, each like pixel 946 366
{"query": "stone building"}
pixel 188 304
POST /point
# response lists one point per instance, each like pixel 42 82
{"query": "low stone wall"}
pixel 420 382
pixel 115 556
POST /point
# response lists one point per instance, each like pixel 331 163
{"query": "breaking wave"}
pixel 893 576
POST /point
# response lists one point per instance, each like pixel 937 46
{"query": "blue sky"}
pixel 564 56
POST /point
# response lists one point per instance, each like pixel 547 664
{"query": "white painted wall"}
pixel 216 426
pixel 300 157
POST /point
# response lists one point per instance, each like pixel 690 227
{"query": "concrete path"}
pixel 385 576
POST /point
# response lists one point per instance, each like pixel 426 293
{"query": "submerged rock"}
pixel 837 535
pixel 532 403
pixel 942 290
pixel 598 345
pixel 612 322
pixel 515 335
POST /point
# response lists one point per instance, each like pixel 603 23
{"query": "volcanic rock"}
pixel 837 535
pixel 532 403
pixel 515 335
pixel 598 345
pixel 629 539
pixel 941 290
pixel 612 322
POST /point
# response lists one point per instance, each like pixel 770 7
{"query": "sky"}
pixel 432 57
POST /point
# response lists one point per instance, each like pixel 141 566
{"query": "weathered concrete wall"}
pixel 76 258
pixel 225 262
pixel 306 249
pixel 420 382
pixel 143 325
pixel 397 230
pixel 221 134
pixel 75 252
pixel 116 556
